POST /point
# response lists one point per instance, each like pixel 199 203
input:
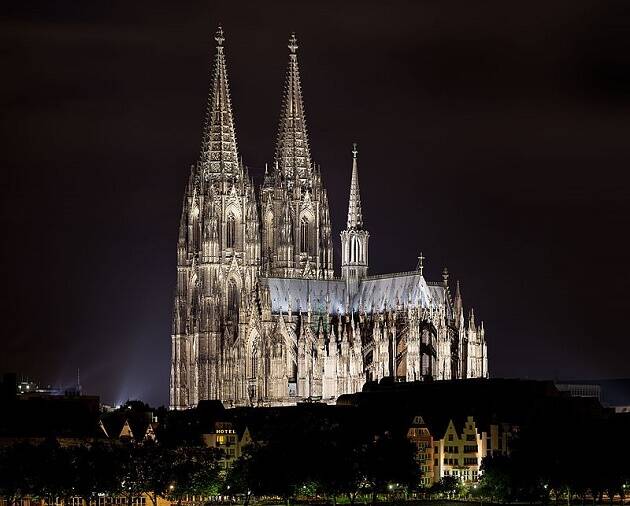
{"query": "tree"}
pixel 451 486
pixel 388 460
pixel 273 468
pixel 52 471
pixel 17 475
pixel 194 471
pixel 497 480
pixel 132 469
pixel 240 477
pixel 157 469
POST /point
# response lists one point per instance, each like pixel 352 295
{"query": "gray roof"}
pixel 295 291
pixel 374 295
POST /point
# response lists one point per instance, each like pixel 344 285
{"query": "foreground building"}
pixel 456 449
pixel 259 317
pixel 229 438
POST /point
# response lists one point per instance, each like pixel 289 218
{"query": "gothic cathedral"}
pixel 259 317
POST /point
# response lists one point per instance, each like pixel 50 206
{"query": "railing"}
pixel 392 275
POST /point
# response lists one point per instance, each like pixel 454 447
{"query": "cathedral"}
pixel 259 317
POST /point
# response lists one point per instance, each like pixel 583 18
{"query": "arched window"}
pixel 232 301
pixel 268 235
pixel 304 242
pixel 230 232
pixel 254 363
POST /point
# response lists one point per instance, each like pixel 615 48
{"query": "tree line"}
pixel 319 465
pixel 573 459
pixel 49 471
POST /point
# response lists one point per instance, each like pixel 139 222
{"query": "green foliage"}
pixel 129 469
pixel 193 471
pixel 324 462
pixel 388 460
pixel 498 480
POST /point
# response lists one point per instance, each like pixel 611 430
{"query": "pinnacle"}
pixel 219 155
pixel 292 152
pixel 293 43
pixel 219 36
pixel 355 217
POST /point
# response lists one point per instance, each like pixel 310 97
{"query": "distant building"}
pixel 130 422
pixel 581 390
pixel 71 419
pixel 612 393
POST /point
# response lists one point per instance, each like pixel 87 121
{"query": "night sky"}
pixel 493 137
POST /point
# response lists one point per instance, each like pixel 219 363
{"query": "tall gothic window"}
pixel 304 242
pixel 268 233
pixel 230 232
pixel 232 301
pixel 254 361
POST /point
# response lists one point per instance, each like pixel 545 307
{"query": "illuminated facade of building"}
pixel 420 436
pixel 259 317
pixel 226 437
pixel 456 450
pixel 459 453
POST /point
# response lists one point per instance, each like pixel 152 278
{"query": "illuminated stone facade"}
pixel 456 450
pixel 259 318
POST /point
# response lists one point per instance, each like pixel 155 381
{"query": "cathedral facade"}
pixel 259 317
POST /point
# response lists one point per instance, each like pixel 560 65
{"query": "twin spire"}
pixel 293 157
pixel 219 154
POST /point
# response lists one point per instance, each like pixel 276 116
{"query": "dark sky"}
pixel 493 136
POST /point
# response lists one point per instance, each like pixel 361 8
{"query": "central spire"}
pixel 219 156
pixel 355 218
pixel 354 240
pixel 292 156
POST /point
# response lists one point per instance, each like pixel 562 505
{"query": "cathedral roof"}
pixel 323 293
pixel 375 294
pixel 402 289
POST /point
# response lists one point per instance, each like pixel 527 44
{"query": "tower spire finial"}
pixel 218 36
pixel 292 151
pixel 219 156
pixel 293 45
pixel 421 260
pixel 354 150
